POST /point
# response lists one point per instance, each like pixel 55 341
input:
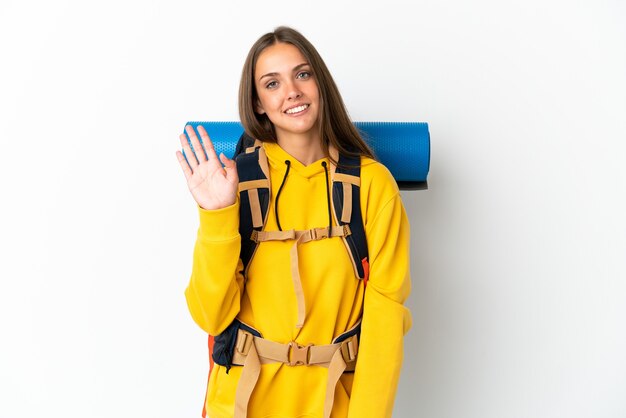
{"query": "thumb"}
pixel 229 165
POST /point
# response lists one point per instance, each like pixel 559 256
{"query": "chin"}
pixel 296 128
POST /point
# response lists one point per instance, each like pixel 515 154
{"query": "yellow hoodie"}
pixel 333 295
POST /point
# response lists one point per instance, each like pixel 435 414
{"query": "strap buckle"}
pixel 243 342
pixel 314 234
pixel 255 236
pixel 346 230
pixel 349 349
pixel 298 355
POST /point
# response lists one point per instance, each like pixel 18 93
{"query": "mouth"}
pixel 297 109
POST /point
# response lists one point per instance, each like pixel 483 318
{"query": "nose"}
pixel 293 92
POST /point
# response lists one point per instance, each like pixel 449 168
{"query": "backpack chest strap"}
pixel 300 237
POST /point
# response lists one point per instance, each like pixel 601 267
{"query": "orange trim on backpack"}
pixel 366 271
pixel 211 344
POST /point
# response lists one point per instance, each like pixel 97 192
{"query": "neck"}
pixel 306 148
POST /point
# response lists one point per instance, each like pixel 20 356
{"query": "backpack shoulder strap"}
pixel 254 196
pixel 347 211
pixel 245 141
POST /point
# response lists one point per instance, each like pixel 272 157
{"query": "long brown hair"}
pixel 334 124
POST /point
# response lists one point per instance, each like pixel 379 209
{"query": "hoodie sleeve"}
pixel 385 318
pixel 214 290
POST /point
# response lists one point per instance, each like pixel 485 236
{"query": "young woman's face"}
pixel 287 91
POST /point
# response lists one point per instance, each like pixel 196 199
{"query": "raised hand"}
pixel 212 185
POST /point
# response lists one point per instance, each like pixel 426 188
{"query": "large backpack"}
pixel 254 198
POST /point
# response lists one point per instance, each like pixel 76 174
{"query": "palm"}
pixel 212 185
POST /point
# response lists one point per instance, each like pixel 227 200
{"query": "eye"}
pixel 303 75
pixel 271 85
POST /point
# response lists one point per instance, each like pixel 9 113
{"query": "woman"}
pixel 301 290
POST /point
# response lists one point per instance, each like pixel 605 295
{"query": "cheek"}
pixel 262 102
pixel 314 93
pixel 271 103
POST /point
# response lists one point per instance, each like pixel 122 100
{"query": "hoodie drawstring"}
pixel 278 194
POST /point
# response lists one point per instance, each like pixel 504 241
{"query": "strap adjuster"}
pixel 315 234
pixel 298 355
pixel 349 349
pixel 244 341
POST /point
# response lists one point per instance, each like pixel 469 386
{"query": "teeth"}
pixel 297 109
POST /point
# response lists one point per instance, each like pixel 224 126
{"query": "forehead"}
pixel 278 58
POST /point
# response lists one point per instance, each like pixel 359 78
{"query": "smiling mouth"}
pixel 297 109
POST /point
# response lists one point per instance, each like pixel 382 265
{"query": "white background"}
pixel 518 247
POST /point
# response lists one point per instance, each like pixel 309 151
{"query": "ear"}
pixel 259 109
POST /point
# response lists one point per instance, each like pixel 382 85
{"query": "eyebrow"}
pixel 296 68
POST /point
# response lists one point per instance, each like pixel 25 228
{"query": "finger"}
pixel 228 163
pixel 183 164
pixel 230 166
pixel 208 144
pixel 189 154
pixel 195 143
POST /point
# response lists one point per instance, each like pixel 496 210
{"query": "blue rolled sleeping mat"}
pixel 403 147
